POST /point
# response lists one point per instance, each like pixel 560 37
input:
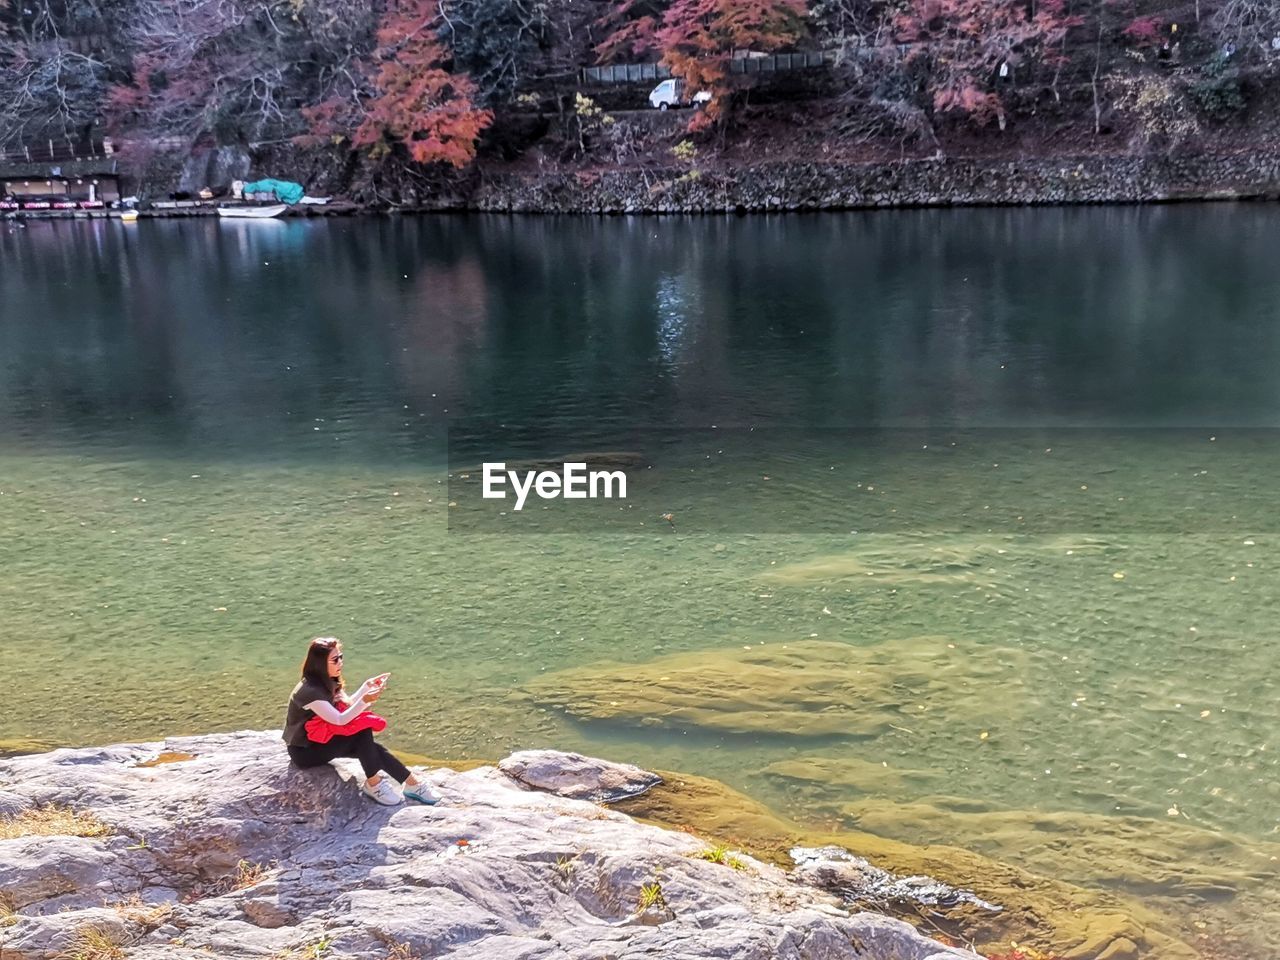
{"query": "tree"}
pixel 236 70
pixel 1252 25
pixel 698 37
pixel 493 41
pixel 968 43
pixel 51 83
pixel 630 28
pixel 407 97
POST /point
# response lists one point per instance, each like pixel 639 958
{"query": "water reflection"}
pixel 198 332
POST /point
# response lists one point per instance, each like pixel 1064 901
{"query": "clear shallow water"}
pixel 219 439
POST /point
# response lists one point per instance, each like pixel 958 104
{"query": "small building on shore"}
pixel 69 184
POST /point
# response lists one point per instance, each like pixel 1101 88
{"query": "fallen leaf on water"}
pixel 1174 811
pixel 1118 575
pixel 983 735
pixel 1204 713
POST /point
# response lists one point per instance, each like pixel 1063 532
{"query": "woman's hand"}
pixel 373 695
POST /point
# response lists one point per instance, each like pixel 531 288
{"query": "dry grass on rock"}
pixel 52 820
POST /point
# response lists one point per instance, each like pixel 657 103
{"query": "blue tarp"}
pixel 286 191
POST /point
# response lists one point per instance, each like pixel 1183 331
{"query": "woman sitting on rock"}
pixel 320 694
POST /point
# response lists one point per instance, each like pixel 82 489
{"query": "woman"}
pixel 320 694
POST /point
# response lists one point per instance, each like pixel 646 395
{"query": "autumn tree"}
pixel 630 29
pixel 697 39
pixel 968 44
pixel 408 97
pixel 235 70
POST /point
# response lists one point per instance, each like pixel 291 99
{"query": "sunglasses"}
pixel 336 658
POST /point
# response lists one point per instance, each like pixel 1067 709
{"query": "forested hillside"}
pixel 427 86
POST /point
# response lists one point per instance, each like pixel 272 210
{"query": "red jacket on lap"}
pixel 322 731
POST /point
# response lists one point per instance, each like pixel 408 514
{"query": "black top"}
pixel 297 715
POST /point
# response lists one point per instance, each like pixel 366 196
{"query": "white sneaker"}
pixel 422 794
pixel 384 793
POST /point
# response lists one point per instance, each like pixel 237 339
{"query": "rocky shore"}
pixel 215 846
pixel 820 185
pixel 776 186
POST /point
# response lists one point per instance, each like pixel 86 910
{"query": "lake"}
pixel 968 514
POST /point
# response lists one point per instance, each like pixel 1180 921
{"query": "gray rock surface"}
pixel 858 881
pixel 214 167
pixel 265 860
pixel 581 778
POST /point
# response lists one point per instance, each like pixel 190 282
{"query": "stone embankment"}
pixel 215 846
pixel 795 186
pixel 898 183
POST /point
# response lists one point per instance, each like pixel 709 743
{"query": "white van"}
pixel 670 93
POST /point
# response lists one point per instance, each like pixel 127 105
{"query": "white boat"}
pixel 253 213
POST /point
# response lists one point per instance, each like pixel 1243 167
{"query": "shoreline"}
pixel 144 793
pixel 215 844
pixel 807 186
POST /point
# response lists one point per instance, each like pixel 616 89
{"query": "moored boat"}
pixel 253 213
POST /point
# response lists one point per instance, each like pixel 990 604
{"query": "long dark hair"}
pixel 315 666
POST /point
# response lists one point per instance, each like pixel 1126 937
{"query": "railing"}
pixel 53 151
pixel 771 63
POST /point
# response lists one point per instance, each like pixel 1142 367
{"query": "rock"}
pixel 837 777
pixel 1171 861
pixel 1056 918
pixel 43 872
pixel 272 860
pixel 856 880
pixel 11 804
pixel 263 903
pixel 579 777
pixel 1165 858
pixel 805 688
pixel 214 168
pixel 58 934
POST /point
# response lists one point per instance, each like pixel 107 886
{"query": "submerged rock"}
pixel 1172 862
pixel 579 777
pixel 1052 916
pixel 899 564
pixel 263 859
pixel 858 881
pixel 838 777
pixel 812 688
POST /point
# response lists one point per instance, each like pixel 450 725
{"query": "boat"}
pixel 253 213
pixel 129 216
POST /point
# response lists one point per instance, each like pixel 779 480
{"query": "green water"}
pixel 217 440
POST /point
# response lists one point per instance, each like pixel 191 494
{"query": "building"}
pixel 71 184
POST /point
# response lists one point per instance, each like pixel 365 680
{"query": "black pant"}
pixel 372 755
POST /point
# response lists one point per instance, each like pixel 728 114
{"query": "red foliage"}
pixel 1144 31
pixel 697 38
pixel 416 101
pixel 631 31
pixel 967 41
